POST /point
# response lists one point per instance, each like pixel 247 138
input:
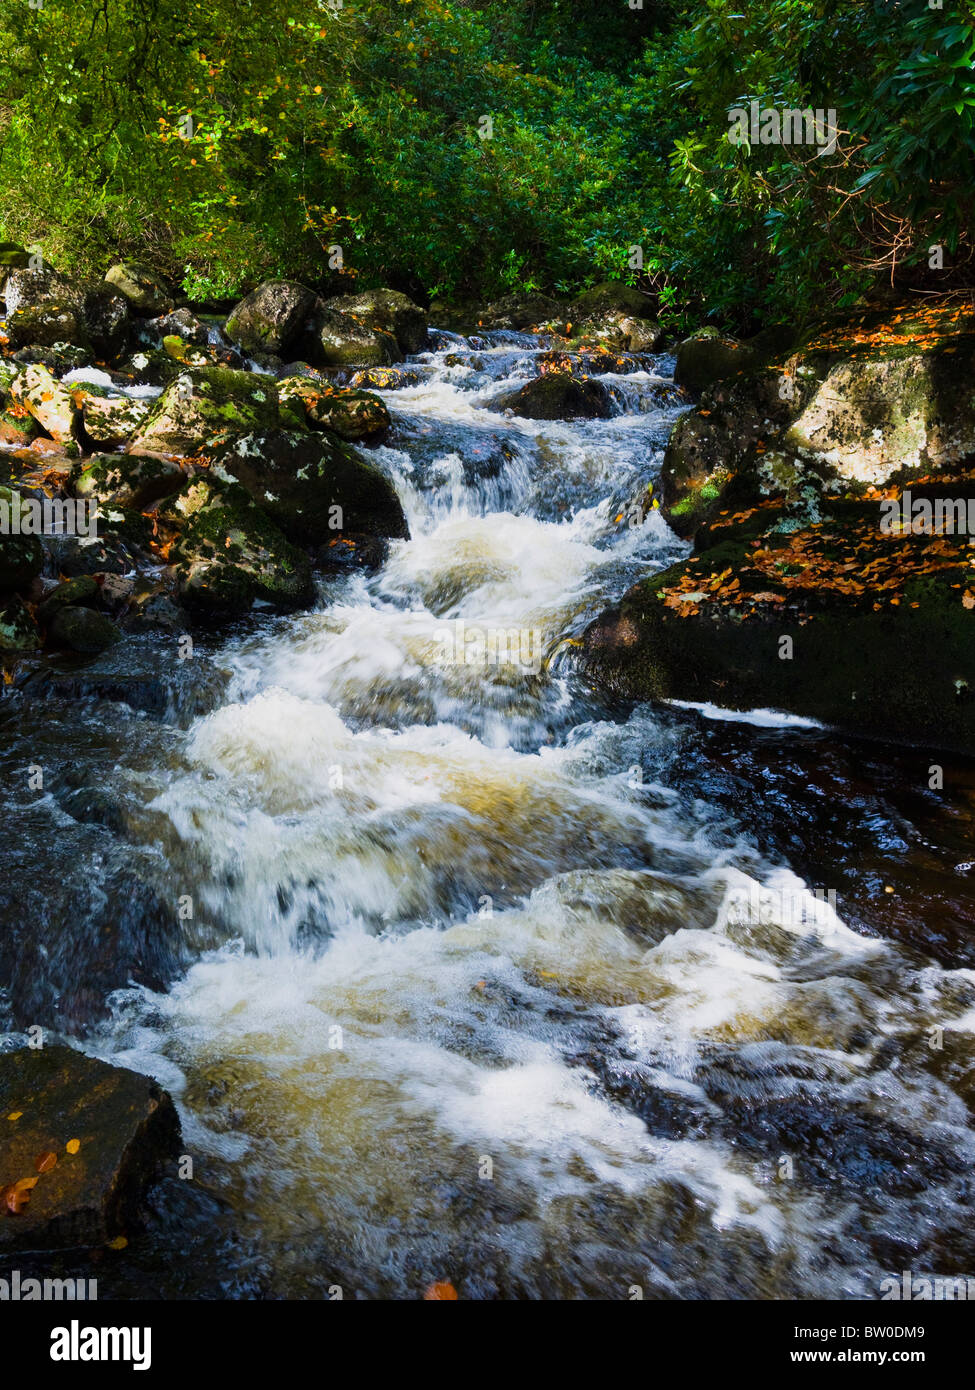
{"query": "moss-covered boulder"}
pixel 21 557
pixel 141 287
pixel 82 1142
pixel 708 357
pixel 331 339
pixel 557 396
pixel 522 312
pixel 110 419
pixel 608 298
pixel 204 407
pixel 617 331
pixel 53 406
pixel 43 308
pixel 126 480
pixel 271 318
pixel 862 404
pixel 838 620
pixel 149 367
pixel 348 413
pixel 182 324
pixel 315 487
pixel 388 378
pixel 82 629
pixel 230 553
pixel 386 311
pixel 71 592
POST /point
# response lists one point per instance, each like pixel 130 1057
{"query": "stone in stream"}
pixel 83 630
pixel 332 339
pixel 126 480
pixel 82 1143
pixel 557 396
pixel 386 311
pixel 350 414
pixel 621 332
pixel 18 631
pixel 206 406
pixel 522 312
pixel 315 487
pixel 270 318
pixel 141 287
pixel 230 552
pixel 108 419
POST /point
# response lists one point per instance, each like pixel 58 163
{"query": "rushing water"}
pixel 468 993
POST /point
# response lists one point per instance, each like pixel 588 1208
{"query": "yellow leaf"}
pixel 119 1243
pixel 73 1145
pixel 15 1114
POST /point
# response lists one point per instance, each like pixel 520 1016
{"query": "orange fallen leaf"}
pixel 45 1162
pixel 440 1290
pixel 25 1184
pixel 15 1114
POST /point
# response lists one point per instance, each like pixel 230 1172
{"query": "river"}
pixel 444 958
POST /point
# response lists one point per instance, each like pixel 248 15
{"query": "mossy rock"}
pixel 230 553
pixel 701 361
pixel 206 406
pixel 141 287
pixel 270 319
pixel 314 486
pixel 81 590
pixel 611 297
pixel 110 420
pixel 350 414
pixel 557 396
pixel 83 630
pixel 386 311
pixel 836 621
pixel 125 480
pixel 332 339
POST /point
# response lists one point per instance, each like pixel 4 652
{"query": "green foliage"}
pixel 228 142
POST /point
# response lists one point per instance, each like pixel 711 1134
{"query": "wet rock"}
pixel 314 487
pixel 120 546
pixel 332 339
pixel 149 367
pixel 557 396
pixel 388 378
pixel 126 1130
pixel 270 319
pixel 52 405
pixel 231 553
pixel 206 406
pixel 620 332
pixel 183 325
pixel 83 630
pixel 832 1147
pixel 126 480
pixel 709 357
pixel 835 621
pixel 350 414
pixel 386 311
pixel 141 287
pixel 81 590
pixel 108 320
